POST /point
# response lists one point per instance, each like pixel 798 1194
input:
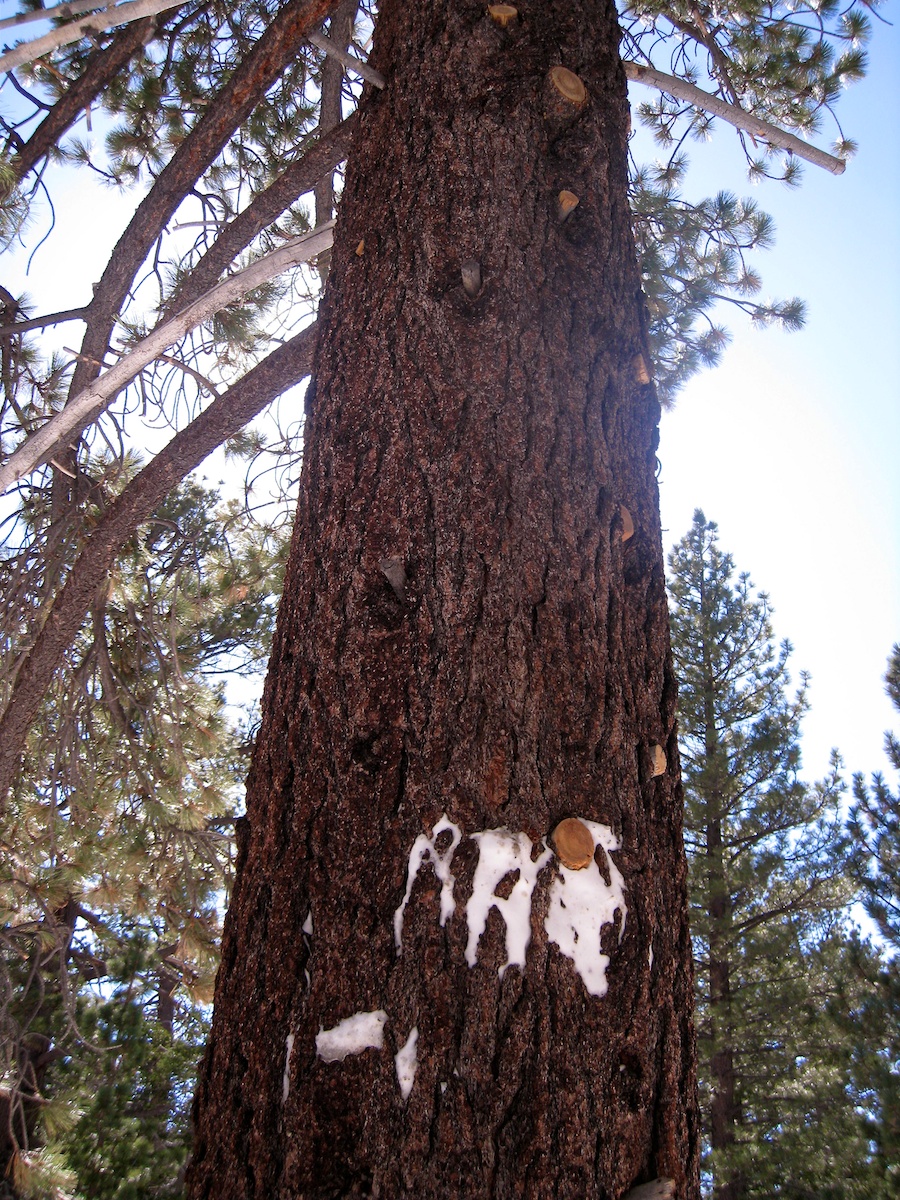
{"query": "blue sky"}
pixel 792 444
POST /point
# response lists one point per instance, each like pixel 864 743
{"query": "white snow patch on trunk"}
pixel 286 1081
pixel 581 903
pixel 406 1062
pixel 307 924
pixel 362 1031
pixel 424 850
pixel 499 852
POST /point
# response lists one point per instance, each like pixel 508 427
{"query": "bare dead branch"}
pixel 350 61
pixel 682 90
pixel 46 14
pixel 64 35
pixel 18 327
pixel 89 403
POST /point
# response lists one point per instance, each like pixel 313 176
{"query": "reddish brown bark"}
pixel 464 631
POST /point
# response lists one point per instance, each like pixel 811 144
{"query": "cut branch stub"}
pixel 565 97
pixel 659 1189
pixel 566 203
pixel 502 13
pixel 658 760
pixel 641 372
pixel 573 843
pixel 568 85
pixel 627 523
pixel 471 277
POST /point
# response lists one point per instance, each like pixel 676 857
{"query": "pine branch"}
pixel 89 403
pixel 19 327
pixel 300 177
pixel 227 110
pixel 102 67
pixel 682 90
pixel 64 35
pixel 224 418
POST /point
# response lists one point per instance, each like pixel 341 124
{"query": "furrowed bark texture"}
pixel 464 631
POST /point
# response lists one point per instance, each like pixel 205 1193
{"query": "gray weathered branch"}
pixel 350 61
pixel 682 90
pixel 97 22
pixel 89 403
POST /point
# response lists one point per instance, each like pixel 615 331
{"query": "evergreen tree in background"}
pixel 768 879
pixel 118 842
pixel 875 826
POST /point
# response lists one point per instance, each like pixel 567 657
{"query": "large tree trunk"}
pixel 466 631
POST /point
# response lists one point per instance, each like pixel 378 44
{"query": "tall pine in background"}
pixel 875 824
pixel 768 878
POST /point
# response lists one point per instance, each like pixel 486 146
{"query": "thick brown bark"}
pixel 227 414
pixel 464 631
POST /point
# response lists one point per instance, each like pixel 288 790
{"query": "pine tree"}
pixel 504 308
pixel 875 826
pixel 116 857
pixel 769 875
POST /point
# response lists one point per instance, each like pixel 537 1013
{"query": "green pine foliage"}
pixel 769 878
pixel 875 826
pixel 117 844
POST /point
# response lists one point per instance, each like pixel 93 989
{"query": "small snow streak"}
pixel 406 1062
pixel 286 1081
pixel 424 850
pixel 362 1031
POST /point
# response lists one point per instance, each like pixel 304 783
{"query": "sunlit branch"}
pixel 76 30
pixel 90 402
pixel 682 90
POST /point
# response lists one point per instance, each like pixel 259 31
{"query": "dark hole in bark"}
pixel 364 751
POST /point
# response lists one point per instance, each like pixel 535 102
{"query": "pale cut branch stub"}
pixel 658 1189
pixel 573 843
pixel 658 760
pixel 503 13
pixel 566 203
pixel 568 85
pixel 627 523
